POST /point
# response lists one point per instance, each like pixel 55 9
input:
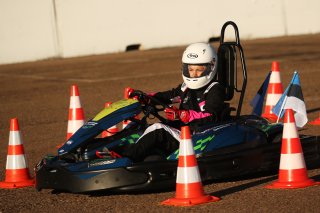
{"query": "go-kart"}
pixel 236 146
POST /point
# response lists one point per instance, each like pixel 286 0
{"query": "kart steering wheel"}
pixel 150 104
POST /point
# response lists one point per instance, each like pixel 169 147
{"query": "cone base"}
pixel 270 117
pixel 315 122
pixel 292 185
pixel 20 184
pixel 190 201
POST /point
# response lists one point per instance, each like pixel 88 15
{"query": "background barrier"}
pixel 40 29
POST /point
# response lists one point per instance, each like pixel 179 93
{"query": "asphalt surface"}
pixel 37 94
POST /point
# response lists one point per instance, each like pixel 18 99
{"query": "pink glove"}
pixel 174 113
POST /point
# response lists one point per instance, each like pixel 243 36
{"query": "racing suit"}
pixel 204 106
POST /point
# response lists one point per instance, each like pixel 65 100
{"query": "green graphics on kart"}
pixel 114 107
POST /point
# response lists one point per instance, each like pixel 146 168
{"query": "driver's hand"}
pixel 173 113
pixel 138 95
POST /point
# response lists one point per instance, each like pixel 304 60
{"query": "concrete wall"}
pixel 39 29
pixel 27 30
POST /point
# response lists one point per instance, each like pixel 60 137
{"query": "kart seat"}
pixel 228 76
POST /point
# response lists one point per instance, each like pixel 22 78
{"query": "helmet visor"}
pixel 186 69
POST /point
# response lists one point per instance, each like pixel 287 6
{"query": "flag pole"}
pixel 281 108
pixel 285 98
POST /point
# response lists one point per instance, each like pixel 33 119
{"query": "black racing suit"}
pixel 204 105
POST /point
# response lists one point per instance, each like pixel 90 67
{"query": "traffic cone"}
pixel 315 122
pixel 126 95
pixel 274 92
pixel 292 169
pixel 189 190
pixel 112 130
pixel 76 114
pixel 17 172
pixel 125 123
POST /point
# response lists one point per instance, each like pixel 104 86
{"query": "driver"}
pixel 200 98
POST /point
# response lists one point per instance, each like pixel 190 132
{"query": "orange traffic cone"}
pixel 274 92
pixel 189 190
pixel 125 123
pixel 76 114
pixel 292 169
pixel 316 121
pixel 112 130
pixel 126 95
pixel 17 172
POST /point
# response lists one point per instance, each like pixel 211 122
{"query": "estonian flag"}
pixel 257 101
pixel 292 98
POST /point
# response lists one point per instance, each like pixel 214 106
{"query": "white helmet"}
pixel 199 54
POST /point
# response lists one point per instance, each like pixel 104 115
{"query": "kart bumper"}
pixel 144 177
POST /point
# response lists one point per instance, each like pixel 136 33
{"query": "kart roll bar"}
pixel 227 73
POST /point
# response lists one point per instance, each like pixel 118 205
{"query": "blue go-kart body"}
pixel 249 145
